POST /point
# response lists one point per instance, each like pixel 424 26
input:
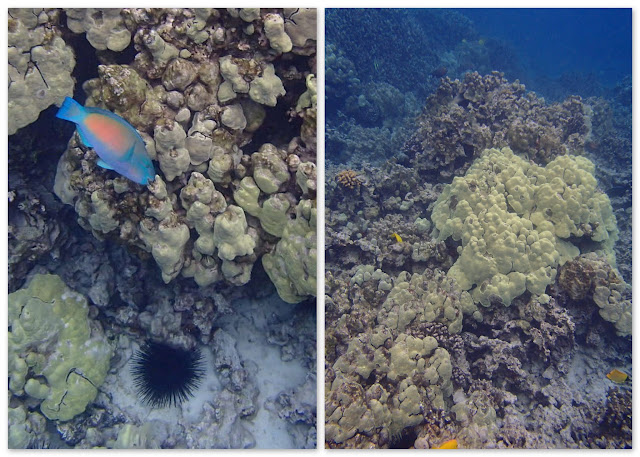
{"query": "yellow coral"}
pixel 511 215
pixel 348 179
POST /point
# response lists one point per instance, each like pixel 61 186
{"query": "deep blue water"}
pixel 550 42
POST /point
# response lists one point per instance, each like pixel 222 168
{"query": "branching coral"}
pixel 348 179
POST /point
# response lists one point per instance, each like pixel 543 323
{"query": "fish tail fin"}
pixel 71 110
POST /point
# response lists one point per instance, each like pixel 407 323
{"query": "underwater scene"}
pixel 162 228
pixel 478 228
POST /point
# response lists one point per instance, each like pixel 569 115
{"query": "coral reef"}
pixel 398 254
pixel 230 125
pixel 465 117
pixel 197 103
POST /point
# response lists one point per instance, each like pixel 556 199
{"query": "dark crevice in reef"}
pixel 406 439
pixel 86 64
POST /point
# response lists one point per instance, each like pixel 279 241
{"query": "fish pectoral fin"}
pixel 129 154
pixel 83 138
pixel 103 164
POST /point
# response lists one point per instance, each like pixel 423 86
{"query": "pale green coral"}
pixel 302 26
pixel 427 297
pixel 249 14
pixel 161 51
pixel 160 205
pixel 246 196
pixel 273 213
pixel 233 117
pixel 104 26
pixel 221 164
pixel 369 272
pixel 101 217
pixel 292 265
pixel 274 30
pixel 611 294
pixel 202 202
pixel 40 66
pixel 231 73
pixel 510 215
pixel 309 98
pixel 226 92
pixel 173 157
pixel 230 234
pixel 56 354
pixel 269 168
pixel 306 177
pixel 19 436
pixel 166 241
pixel 267 88
pixel 233 239
pixel 418 370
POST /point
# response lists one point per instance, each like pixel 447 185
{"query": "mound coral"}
pixel 392 369
pixel 517 221
pixel 57 355
pixel 592 276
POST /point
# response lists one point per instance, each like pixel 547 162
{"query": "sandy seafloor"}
pixel 248 325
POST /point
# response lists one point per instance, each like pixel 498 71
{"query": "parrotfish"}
pixel 119 145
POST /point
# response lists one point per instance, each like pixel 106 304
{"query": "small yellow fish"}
pixel 617 376
pixel 451 444
pixel 397 237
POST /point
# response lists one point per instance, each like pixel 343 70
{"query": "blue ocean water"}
pixel 382 64
pixel 550 42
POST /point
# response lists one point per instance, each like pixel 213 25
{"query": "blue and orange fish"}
pixel 119 145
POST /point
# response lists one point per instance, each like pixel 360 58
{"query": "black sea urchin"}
pixel 165 375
